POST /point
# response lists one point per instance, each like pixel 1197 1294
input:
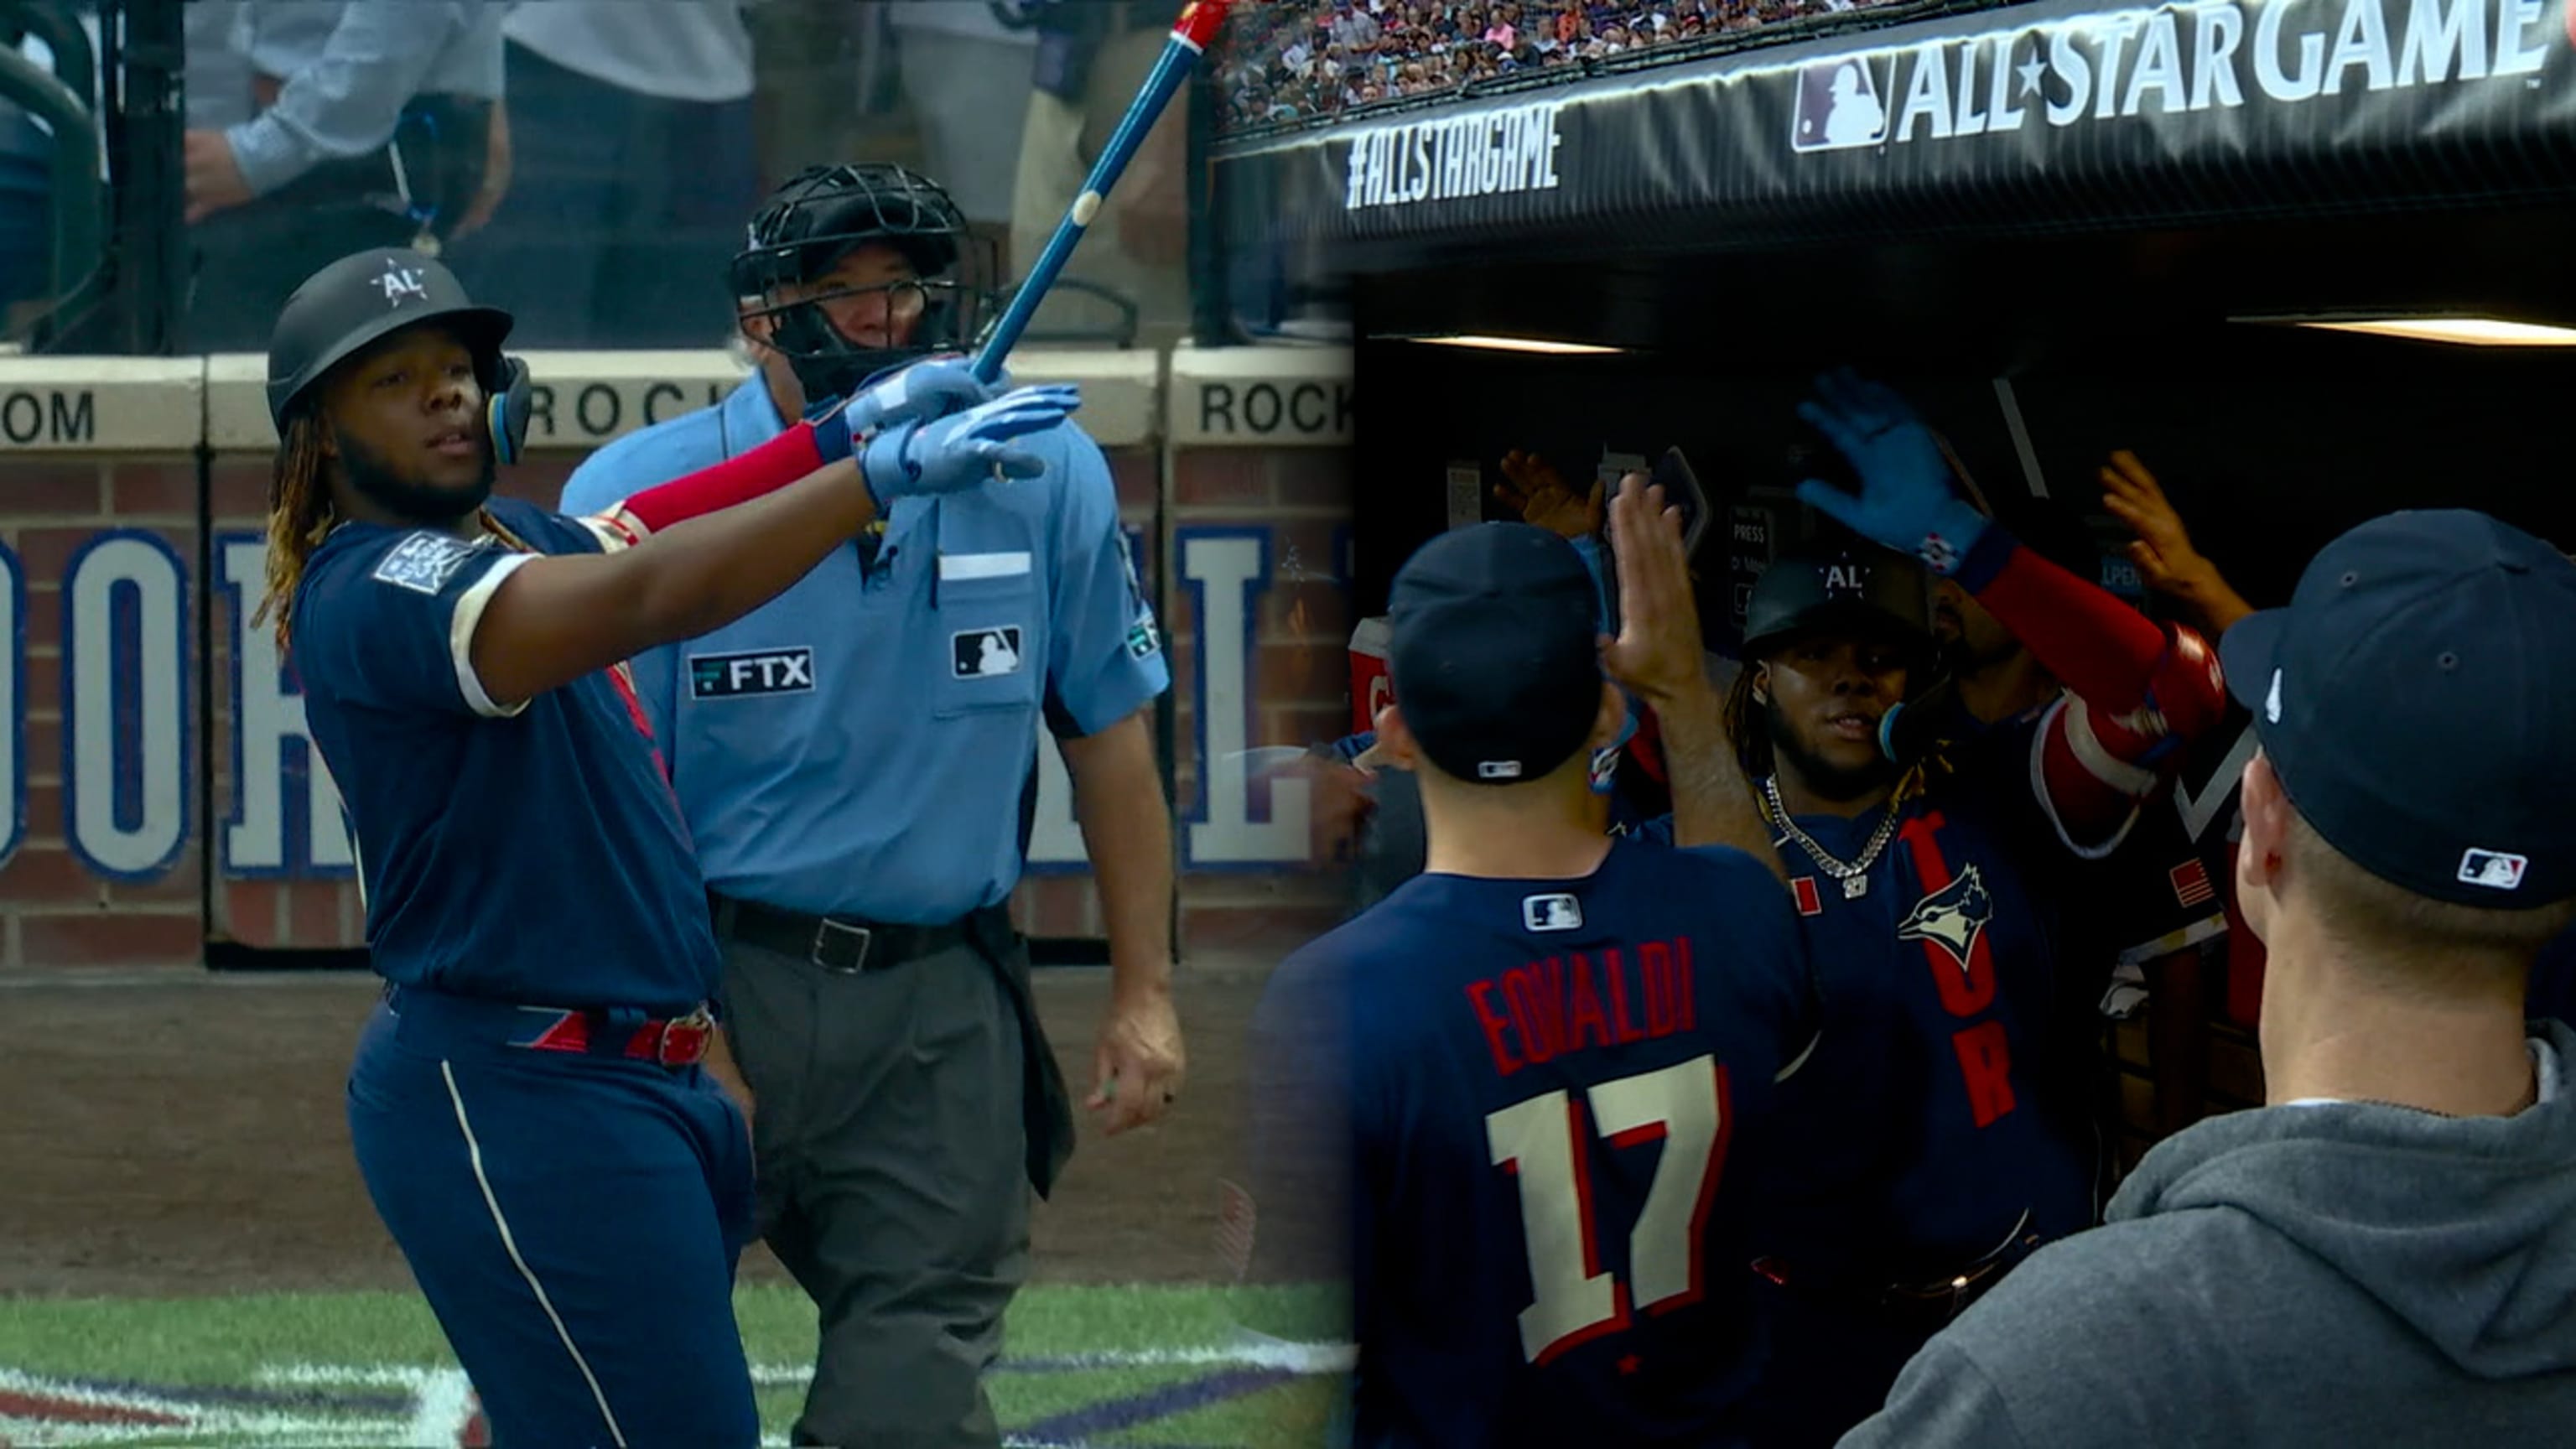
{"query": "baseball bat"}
pixel 1190 37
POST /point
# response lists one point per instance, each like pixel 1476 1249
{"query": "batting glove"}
pixel 952 454
pixel 1905 501
pixel 921 392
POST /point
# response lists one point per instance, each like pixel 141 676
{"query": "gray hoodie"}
pixel 2303 1275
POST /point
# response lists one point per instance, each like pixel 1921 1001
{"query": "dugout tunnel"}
pixel 2060 228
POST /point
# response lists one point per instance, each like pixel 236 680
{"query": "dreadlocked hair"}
pixel 299 514
pixel 1747 725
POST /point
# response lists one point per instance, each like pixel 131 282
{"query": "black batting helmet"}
pixel 1872 591
pixel 367 296
pixel 824 213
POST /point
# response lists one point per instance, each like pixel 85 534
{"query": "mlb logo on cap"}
pixel 1552 913
pixel 2494 869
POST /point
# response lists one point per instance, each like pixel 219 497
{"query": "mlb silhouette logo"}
pixel 1840 106
pixel 2494 869
pixel 1552 913
pixel 985 653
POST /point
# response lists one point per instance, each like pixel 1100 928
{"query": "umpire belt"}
pixel 843 945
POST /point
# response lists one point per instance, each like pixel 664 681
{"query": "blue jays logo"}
pixel 1951 917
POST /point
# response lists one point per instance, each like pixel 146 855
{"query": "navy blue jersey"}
pixel 531 854
pixel 1940 1118
pixel 1535 1092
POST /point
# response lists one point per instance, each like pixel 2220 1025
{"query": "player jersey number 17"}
pixel 1542 1143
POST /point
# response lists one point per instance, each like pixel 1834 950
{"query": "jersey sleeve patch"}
pixel 425 561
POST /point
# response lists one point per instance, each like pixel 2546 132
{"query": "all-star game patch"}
pixel 424 562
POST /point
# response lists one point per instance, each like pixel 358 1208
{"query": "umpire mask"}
pixel 815 221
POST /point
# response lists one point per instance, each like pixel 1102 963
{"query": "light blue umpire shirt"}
pixel 866 743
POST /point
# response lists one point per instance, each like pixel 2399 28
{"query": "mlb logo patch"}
pixel 985 653
pixel 763 671
pixel 424 562
pixel 1840 106
pixel 1498 769
pixel 2494 869
pixel 2191 884
pixel 1551 913
pixel 1811 902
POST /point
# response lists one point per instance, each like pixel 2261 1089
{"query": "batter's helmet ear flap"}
pixel 505 410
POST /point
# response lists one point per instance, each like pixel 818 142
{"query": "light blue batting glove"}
pixel 965 450
pixel 920 392
pixel 1905 501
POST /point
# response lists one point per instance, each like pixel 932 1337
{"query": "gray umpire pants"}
pixel 891 1136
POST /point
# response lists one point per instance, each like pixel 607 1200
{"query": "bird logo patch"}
pixel 1952 917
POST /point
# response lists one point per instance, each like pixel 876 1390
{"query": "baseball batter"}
pixel 1533 1074
pixel 569 1185
pixel 1942 1130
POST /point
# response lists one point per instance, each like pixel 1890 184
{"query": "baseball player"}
pixel 1528 1081
pixel 1941 1137
pixel 857 764
pixel 2386 1254
pixel 530 1115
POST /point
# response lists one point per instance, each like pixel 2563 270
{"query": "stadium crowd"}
pixel 1287 63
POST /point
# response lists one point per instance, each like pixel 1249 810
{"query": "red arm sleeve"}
pixel 2139 693
pixel 773 465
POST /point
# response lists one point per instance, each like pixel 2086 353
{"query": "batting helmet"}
pixel 824 213
pixel 368 296
pixel 1872 591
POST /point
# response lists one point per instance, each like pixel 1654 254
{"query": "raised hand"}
pixel 1657 655
pixel 1906 501
pixel 965 450
pixel 2163 550
pixel 1532 489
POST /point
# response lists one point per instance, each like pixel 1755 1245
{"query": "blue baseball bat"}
pixel 1191 35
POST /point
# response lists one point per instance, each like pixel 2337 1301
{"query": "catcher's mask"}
pixel 820 216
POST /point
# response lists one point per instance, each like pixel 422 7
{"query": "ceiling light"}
pixel 1514 344
pixel 2462 331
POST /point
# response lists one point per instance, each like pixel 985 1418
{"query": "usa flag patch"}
pixel 2191 884
pixel 1809 902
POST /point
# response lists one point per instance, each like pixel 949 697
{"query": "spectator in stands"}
pixel 635 162
pixel 344 126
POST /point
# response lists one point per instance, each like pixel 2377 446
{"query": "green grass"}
pixel 56 1349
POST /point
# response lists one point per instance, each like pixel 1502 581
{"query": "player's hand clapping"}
pixel 952 454
pixel 1906 501
pixel 1658 654
pixel 2163 551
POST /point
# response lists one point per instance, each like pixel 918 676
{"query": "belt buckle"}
pixel 825 933
pixel 692 1032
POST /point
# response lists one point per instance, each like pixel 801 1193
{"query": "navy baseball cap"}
pixel 1494 656
pixel 2418 701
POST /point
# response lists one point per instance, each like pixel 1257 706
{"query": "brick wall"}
pixel 58 909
